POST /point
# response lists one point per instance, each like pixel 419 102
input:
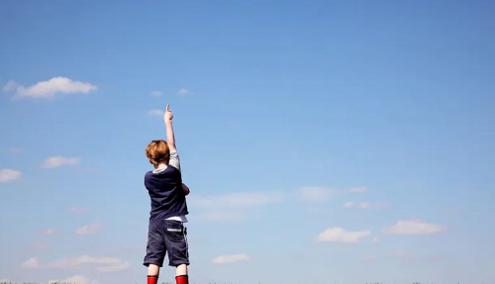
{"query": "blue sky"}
pixel 323 141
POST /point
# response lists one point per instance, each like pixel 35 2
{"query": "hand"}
pixel 185 188
pixel 168 115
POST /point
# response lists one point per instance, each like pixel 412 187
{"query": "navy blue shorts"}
pixel 166 236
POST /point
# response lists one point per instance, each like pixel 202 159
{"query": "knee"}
pixel 181 269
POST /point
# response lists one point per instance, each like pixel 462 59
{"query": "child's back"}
pixel 166 194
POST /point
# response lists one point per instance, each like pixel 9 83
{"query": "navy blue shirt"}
pixel 166 193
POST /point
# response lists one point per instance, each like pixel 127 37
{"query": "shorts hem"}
pixel 177 263
pixel 155 262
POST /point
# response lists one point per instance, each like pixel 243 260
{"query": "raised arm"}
pixel 168 116
pixel 174 157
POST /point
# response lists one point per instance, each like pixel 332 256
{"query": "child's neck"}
pixel 161 166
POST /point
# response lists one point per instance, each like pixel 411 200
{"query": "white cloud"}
pixel 232 207
pixel 222 216
pixel 155 112
pixel 156 93
pixel 337 234
pixel 78 210
pixel 48 232
pixel 31 263
pixel 224 259
pixel 414 227
pixel 100 263
pixel 349 204
pixel 358 189
pixel 314 193
pixel 89 229
pixel 183 92
pixel 363 205
pixel 237 200
pixel 76 279
pixel 58 161
pixel 7 175
pixel 49 88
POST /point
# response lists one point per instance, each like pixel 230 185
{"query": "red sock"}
pixel 152 279
pixel 181 279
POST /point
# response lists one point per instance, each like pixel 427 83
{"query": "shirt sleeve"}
pixel 174 160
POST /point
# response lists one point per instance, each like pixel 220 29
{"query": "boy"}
pixel 166 231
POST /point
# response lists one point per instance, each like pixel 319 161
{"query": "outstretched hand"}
pixel 168 115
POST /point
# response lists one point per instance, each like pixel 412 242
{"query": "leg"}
pixel 153 273
pixel 181 274
pixel 153 269
pixel 181 270
pixel 176 243
pixel 155 252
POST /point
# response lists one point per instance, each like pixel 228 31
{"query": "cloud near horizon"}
pixel 76 279
pixel 49 88
pixel 100 263
pixel 232 258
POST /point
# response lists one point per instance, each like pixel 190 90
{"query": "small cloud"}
pixel 232 207
pixel 89 229
pixel 224 259
pixel 31 263
pixel 236 200
pixel 48 232
pixel 314 194
pixel 363 205
pixel 49 88
pixel 156 94
pixel 358 189
pixel 220 216
pixel 340 235
pixel 59 161
pixel 8 175
pixel 414 227
pixel 349 204
pixel 183 92
pixel 100 263
pixel 78 210
pixel 155 112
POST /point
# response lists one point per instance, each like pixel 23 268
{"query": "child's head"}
pixel 157 152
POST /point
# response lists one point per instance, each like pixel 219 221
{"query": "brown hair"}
pixel 157 152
